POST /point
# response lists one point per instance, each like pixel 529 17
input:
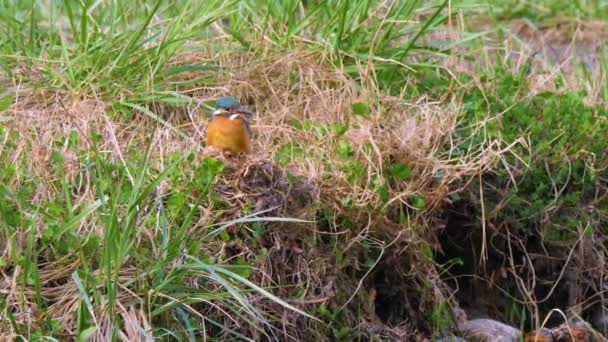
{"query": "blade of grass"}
pixel 213 269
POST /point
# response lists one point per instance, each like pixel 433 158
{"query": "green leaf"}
pixel 340 129
pixel 259 230
pixel 5 103
pixel 345 149
pixel 88 305
pixel 224 235
pixel 208 171
pixel 176 203
pixel 322 309
pixel 354 170
pixel 78 218
pixel 87 333
pixel 287 153
pixel 360 108
pixel 419 202
pixel 588 232
pixel 242 268
pixel 73 139
pixel 457 261
pixel 57 157
pixel 213 269
pixel 426 250
pixel 342 332
pixel 400 171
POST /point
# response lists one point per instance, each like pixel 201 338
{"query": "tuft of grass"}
pixel 105 48
pixel 106 234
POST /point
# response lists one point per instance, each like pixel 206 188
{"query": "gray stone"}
pixel 488 330
pixel 449 339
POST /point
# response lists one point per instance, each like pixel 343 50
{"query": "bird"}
pixel 542 335
pixel 573 331
pixel 229 129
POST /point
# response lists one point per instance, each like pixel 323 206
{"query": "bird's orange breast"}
pixel 226 134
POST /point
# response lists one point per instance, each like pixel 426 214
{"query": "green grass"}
pixel 543 11
pixel 121 197
pixel 379 117
pixel 558 167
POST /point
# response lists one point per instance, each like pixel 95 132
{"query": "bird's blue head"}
pixel 229 104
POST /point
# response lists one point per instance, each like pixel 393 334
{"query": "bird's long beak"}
pixel 241 110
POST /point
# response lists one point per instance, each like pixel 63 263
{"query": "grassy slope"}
pixel 113 224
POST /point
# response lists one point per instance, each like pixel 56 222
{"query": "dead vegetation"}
pixel 367 253
pixel 350 218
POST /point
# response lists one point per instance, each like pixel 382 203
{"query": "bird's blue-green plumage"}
pixel 227 102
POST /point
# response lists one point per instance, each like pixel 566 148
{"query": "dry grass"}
pixel 284 87
pixel 324 262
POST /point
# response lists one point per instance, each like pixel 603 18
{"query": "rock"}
pixel 488 330
pixel 599 319
pixel 449 339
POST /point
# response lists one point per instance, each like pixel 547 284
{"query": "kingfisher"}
pixel 542 335
pixel 229 128
pixel 573 331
